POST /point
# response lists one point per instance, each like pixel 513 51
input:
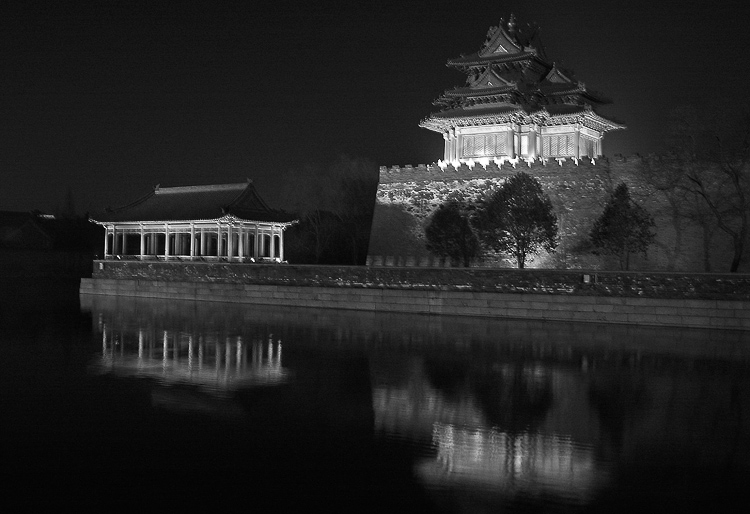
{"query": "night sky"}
pixel 107 99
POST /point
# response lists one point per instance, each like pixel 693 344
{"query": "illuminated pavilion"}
pixel 517 104
pixel 227 222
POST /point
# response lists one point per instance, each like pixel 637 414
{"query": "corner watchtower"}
pixel 517 104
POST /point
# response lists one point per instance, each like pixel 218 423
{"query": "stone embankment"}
pixel 719 301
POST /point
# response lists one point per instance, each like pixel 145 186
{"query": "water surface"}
pixel 167 404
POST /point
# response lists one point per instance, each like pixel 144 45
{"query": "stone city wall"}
pixel 667 299
pixel 578 190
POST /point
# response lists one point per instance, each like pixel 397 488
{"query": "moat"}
pixel 167 403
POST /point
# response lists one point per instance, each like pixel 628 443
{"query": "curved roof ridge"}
pixel 200 188
pixel 499 41
pixel 196 203
pixel 249 193
pixel 134 203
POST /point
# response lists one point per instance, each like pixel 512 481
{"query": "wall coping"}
pixel 643 284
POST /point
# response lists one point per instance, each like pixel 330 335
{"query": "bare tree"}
pixel 711 162
pixel 335 205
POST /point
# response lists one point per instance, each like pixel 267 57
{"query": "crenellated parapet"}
pixel 578 188
pixel 471 170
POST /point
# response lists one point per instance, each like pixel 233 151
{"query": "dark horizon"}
pixel 108 100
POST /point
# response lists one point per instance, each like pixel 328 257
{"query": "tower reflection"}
pixel 505 430
pixel 465 412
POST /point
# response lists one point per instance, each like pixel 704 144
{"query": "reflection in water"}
pixel 190 358
pixel 554 456
pixel 464 411
pixel 195 370
pixel 507 463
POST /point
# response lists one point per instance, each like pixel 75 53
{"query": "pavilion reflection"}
pixel 502 409
pixel 192 369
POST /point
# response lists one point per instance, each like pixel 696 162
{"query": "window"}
pixel 558 145
pixel 484 145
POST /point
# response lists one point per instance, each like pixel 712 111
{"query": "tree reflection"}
pixel 511 411
pixel 513 395
pixel 618 398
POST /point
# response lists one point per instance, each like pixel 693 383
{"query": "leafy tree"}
pixel 623 228
pixel 449 234
pixel 518 219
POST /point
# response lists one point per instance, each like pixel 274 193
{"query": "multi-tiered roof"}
pixel 213 222
pixel 192 203
pixel 511 80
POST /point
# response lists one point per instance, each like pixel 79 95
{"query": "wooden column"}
pixel 107 232
pixel 230 243
pixel 166 242
pixel 532 143
pixel 218 240
pixel 256 249
pixel 192 241
pixel 241 242
pixel 517 140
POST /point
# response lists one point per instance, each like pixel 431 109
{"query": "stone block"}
pixel 498 303
pixel 465 310
pixel 665 310
pixel 696 321
pixel 610 300
pixel 513 312
pixel 673 319
pixel 617 317
pixel 699 304
pixel 643 318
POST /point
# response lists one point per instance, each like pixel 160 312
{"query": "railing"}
pixel 188 258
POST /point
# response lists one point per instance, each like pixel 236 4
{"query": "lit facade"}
pixel 227 222
pixel 517 105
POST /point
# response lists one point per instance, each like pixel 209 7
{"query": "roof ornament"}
pixel 490 33
pixel 512 23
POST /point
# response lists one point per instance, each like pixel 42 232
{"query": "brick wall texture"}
pixel 407 195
